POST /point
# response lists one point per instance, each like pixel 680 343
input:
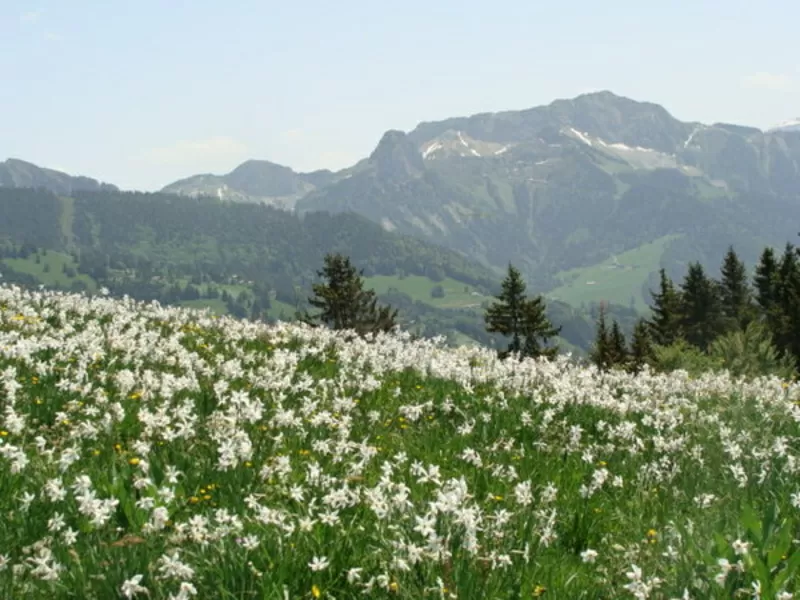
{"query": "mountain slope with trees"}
pixel 571 184
pixel 248 260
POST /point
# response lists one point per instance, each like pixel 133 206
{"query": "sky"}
pixel 142 93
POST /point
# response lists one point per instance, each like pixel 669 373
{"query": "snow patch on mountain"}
pixel 581 136
pixel 695 131
pixel 431 149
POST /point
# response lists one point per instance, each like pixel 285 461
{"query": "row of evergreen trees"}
pixel 702 316
pixel 702 311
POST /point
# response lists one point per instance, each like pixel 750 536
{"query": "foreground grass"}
pixel 164 453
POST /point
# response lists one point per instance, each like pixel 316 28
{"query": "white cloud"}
pixel 770 81
pixel 31 16
pixel 208 150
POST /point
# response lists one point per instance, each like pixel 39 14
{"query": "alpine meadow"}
pixel 419 301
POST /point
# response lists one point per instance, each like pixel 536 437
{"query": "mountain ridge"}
pixel 17 173
pixel 555 188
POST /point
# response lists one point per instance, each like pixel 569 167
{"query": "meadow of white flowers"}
pixel 152 452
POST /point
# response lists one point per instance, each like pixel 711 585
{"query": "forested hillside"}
pixel 248 260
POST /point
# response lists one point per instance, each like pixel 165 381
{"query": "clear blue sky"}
pixel 144 92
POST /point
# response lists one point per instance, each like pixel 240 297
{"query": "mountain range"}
pixel 588 196
pixel 15 173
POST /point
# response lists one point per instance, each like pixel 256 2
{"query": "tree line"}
pixel 749 326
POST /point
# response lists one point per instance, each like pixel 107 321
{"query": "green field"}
pixel 457 294
pixel 610 281
pixel 49 269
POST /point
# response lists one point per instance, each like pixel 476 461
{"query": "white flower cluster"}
pixel 153 451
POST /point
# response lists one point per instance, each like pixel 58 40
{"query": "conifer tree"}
pixel 736 295
pixel 506 316
pixel 766 281
pixel 701 308
pixel 522 319
pixel 665 325
pixel 786 309
pixel 641 347
pixel 538 330
pixel 600 353
pixel 343 301
pixel 618 345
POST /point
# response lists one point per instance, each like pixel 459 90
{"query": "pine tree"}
pixel 766 281
pixel 600 354
pixel 522 319
pixel 641 347
pixel 538 330
pixel 785 314
pixel 618 346
pixel 736 295
pixel 701 309
pixel 343 301
pixel 665 324
pixel 506 315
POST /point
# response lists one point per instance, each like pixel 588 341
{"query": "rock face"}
pixel 577 181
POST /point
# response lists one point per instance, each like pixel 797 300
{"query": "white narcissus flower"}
pixel 589 555
pixel 318 563
pixel 132 587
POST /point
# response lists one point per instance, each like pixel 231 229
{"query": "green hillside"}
pixel 622 279
pixel 246 260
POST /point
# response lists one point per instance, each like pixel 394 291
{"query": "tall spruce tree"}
pixel 522 319
pixel 641 352
pixel 618 345
pixel 343 301
pixel 735 293
pixel 600 353
pixel 766 281
pixel 506 316
pixel 538 330
pixel 701 308
pixel 786 311
pixel 665 324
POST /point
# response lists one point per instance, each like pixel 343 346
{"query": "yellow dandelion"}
pixel 315 591
pixel 134 461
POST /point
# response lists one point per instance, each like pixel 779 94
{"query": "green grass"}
pixel 611 283
pixel 54 261
pixel 255 452
pixel 216 305
pixel 419 288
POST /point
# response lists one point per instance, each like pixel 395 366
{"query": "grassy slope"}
pixel 55 261
pixel 611 283
pixel 419 288
pixel 540 465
